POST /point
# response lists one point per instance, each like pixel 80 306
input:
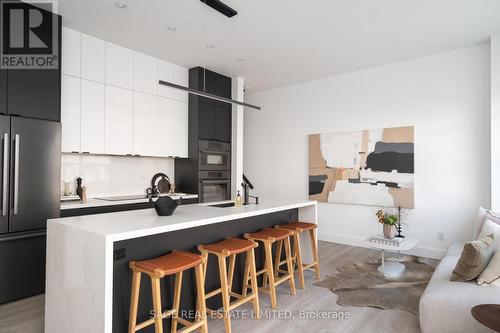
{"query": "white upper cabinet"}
pixel 181 138
pixel 70 114
pixel 165 73
pixel 92 117
pixel 181 77
pixel 118 121
pixel 71 41
pixel 119 66
pixel 165 127
pixel 93 58
pixel 145 73
pixel 145 124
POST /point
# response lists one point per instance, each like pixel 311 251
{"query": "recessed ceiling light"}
pixel 210 46
pixel 171 28
pixel 120 5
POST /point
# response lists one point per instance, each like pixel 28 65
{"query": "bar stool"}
pixel 271 275
pixel 173 263
pixel 297 228
pixel 230 248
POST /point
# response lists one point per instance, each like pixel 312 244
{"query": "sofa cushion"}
pixel 491 273
pixel 445 305
pixel 474 258
pixel 491 228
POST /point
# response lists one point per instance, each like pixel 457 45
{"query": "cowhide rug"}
pixel 362 285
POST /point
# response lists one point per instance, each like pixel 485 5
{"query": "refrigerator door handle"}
pixel 5 182
pixel 16 173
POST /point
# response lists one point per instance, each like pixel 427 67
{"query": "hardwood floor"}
pixel 26 316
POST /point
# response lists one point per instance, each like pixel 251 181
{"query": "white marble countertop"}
pixel 93 202
pixel 138 223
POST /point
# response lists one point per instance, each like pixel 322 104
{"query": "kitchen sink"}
pixel 223 205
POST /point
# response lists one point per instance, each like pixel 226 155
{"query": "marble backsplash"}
pixel 114 175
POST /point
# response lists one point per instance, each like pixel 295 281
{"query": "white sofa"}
pixel 445 306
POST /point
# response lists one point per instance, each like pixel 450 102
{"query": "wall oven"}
pixel 214 155
pixel 215 186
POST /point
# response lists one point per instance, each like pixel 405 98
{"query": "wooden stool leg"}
pixel 289 265
pixel 202 308
pixel 246 275
pixel 277 260
pixel 314 247
pixel 158 313
pixel 225 293
pixel 298 256
pixel 253 278
pixel 232 261
pixel 270 273
pixel 134 301
pixel 177 301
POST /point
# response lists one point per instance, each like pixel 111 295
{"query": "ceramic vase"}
pixel 389 231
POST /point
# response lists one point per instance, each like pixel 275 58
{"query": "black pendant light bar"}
pixel 208 95
pixel 220 7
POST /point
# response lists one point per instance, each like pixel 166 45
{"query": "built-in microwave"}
pixel 214 155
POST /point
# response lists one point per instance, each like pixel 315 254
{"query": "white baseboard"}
pixel 419 251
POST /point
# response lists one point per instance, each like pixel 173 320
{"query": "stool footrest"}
pixel 241 301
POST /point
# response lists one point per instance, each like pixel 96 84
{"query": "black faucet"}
pixel 247 186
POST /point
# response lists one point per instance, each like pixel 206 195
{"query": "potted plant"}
pixel 389 221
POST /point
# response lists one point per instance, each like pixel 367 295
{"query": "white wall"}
pixel 114 175
pixel 446 97
pixel 495 122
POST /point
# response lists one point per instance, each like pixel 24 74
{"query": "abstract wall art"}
pixel 367 167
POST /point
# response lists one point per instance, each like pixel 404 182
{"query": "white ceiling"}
pixel 287 41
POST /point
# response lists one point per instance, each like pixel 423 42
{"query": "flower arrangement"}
pixel 386 218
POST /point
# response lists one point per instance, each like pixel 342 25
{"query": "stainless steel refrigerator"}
pixel 30 183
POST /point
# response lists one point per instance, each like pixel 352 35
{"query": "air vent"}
pixel 220 7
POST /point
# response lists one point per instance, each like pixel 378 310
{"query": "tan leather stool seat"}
pixel 270 234
pixel 230 246
pixel 169 264
pixel 299 226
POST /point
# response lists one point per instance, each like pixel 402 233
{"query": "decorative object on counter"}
pixel 83 197
pixel 164 205
pixel 68 198
pixel 238 202
pixel 63 188
pixel 160 183
pixel 389 221
pixel 69 188
pixel 79 187
pixel 367 167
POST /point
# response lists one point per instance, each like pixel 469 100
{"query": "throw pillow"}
pixel 481 216
pixel 491 228
pixel 492 272
pixel 475 256
pixel 478 222
pixel 494 217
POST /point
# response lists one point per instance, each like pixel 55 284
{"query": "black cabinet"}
pixel 33 93
pixel 214 117
pixel 206 119
pixel 3 91
pixel 223 124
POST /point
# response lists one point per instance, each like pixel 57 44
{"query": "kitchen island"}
pixel 88 279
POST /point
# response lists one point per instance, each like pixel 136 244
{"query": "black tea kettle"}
pixel 164 206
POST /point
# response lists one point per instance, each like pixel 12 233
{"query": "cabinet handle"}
pixel 16 173
pixel 5 182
